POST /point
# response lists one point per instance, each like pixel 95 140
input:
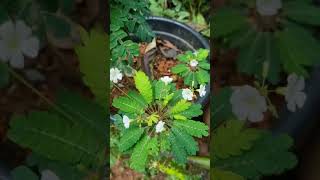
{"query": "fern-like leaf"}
pixel 194 128
pixel 270 155
pixel 130 137
pixel 140 154
pixel 193 111
pixel 48 135
pixel 184 139
pixel 181 106
pixel 235 132
pixel 127 105
pixel 178 151
pixel 93 62
pixel 143 84
pixel 84 111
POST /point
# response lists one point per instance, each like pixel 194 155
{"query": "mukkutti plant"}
pixel 156 122
pixel 193 67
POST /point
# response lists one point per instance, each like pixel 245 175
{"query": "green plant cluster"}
pixel 157 102
pixel 70 138
pixel 245 153
pixel 283 43
pixel 127 23
pixel 197 75
pixel 186 11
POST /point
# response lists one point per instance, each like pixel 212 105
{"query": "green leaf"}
pixel 127 105
pixel 193 111
pixel 161 90
pixel 204 65
pixel 194 128
pixel 93 59
pixel 130 137
pixel 181 106
pixel 23 172
pixel 202 76
pixel 186 57
pixel 269 155
pixel 135 96
pixel 43 132
pixel 57 25
pixel 226 21
pixel 221 109
pixel 233 131
pixel 302 12
pixel 189 144
pixel 178 151
pixel 140 153
pixel 179 69
pixel 294 57
pixel 4 75
pixel 87 112
pixel 190 79
pixel 144 86
pixel 202 54
pixel 225 175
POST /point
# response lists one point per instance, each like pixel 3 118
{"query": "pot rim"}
pixel 201 100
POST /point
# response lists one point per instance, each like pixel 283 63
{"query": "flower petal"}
pixel 292 78
pixel 22 30
pixel 30 47
pixel 300 99
pixel 291 105
pixel 7 30
pixel 4 51
pixel 17 60
pixel 255 116
pixel 300 84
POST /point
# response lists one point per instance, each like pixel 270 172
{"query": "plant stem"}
pixel 48 101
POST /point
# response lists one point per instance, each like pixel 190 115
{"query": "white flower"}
pixel 193 63
pixel 159 126
pixel 49 175
pixel 16 41
pixel 166 80
pixel 126 121
pixel 115 75
pixel 187 94
pixel 247 103
pixel 294 94
pixel 268 7
pixel 202 90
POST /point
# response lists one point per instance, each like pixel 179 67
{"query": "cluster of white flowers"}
pixel 115 75
pixel 293 93
pixel 247 103
pixel 16 40
pixel 188 94
pixel 166 80
pixel 268 7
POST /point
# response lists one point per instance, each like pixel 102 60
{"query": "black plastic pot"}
pixel 183 37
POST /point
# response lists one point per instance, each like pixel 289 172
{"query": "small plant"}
pixel 193 67
pixel 156 121
pixel 127 19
